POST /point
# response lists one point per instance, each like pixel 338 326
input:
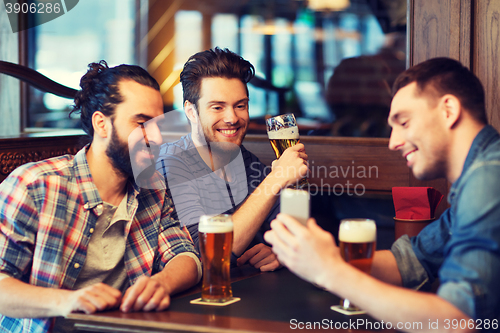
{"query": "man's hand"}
pixel 307 251
pixel 97 297
pixel 260 256
pixel 292 165
pixel 146 294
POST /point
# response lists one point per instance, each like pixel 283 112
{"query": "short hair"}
pixel 446 76
pixel 100 92
pixel 213 63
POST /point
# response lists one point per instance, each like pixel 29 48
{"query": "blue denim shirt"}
pixel 462 247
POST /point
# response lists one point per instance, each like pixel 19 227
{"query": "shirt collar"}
pixel 91 197
pixel 479 144
pixel 481 141
pixel 90 194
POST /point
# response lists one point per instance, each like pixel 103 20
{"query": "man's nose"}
pixel 230 116
pixel 152 134
pixel 396 140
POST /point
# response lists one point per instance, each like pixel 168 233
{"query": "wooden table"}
pixel 270 302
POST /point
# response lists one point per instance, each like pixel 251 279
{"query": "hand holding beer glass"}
pixel 283 132
pixel 216 242
pixel 357 243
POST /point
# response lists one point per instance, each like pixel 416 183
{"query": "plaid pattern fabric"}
pixel 47 209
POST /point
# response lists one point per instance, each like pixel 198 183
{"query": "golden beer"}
pixel 280 145
pixel 357 244
pixel 283 133
pixel 216 241
pixel 360 255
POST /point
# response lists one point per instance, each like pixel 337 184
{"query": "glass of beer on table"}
pixel 216 243
pixel 283 132
pixel 357 243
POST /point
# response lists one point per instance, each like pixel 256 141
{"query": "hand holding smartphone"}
pixel 295 203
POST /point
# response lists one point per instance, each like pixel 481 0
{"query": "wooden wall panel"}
pixel 17 151
pixel 486 57
pixel 342 163
pixel 436 30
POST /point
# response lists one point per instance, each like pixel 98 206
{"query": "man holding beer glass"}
pixel 283 132
pixel 439 125
pixel 210 172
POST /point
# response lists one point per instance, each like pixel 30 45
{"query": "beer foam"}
pixel 215 224
pixel 216 228
pixel 358 232
pixel 284 133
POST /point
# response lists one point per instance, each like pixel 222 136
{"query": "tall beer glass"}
pixel 216 242
pixel 283 132
pixel 357 242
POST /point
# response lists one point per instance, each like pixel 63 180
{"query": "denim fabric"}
pixel 462 247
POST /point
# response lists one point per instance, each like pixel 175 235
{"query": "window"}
pixel 62 48
pixel 331 67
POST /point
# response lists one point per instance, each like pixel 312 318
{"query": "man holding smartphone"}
pixel 210 172
pixel 439 125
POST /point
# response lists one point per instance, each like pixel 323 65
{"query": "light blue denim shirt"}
pixel 462 247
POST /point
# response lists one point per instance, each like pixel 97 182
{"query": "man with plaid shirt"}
pixel 94 231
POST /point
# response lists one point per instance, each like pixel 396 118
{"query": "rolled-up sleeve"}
pixel 173 240
pixel 412 272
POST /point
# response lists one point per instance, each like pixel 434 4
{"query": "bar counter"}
pixel 270 302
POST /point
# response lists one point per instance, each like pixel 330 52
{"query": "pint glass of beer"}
pixel 283 132
pixel 216 242
pixel 357 243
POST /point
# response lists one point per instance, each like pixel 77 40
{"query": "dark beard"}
pixel 119 154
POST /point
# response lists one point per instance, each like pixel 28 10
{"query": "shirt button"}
pixel 86 206
pixel 91 230
pixel 77 265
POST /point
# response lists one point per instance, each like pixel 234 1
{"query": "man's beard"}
pixel 119 153
pixel 223 152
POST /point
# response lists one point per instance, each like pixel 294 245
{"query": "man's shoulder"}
pixel 55 166
pixel 173 148
pixel 179 156
pixel 492 152
pixel 488 159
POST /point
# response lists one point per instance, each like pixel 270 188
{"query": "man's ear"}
pixel 451 108
pixel 190 111
pixel 101 124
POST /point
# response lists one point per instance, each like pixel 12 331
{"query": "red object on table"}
pixel 415 203
pixel 415 208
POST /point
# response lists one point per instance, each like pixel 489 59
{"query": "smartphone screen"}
pixel 295 203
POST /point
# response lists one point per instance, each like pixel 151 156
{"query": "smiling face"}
pixel 419 133
pixel 223 110
pixel 135 138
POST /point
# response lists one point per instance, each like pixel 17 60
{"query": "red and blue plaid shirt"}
pixel 47 211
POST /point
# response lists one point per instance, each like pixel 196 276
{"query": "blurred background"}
pixel 330 62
